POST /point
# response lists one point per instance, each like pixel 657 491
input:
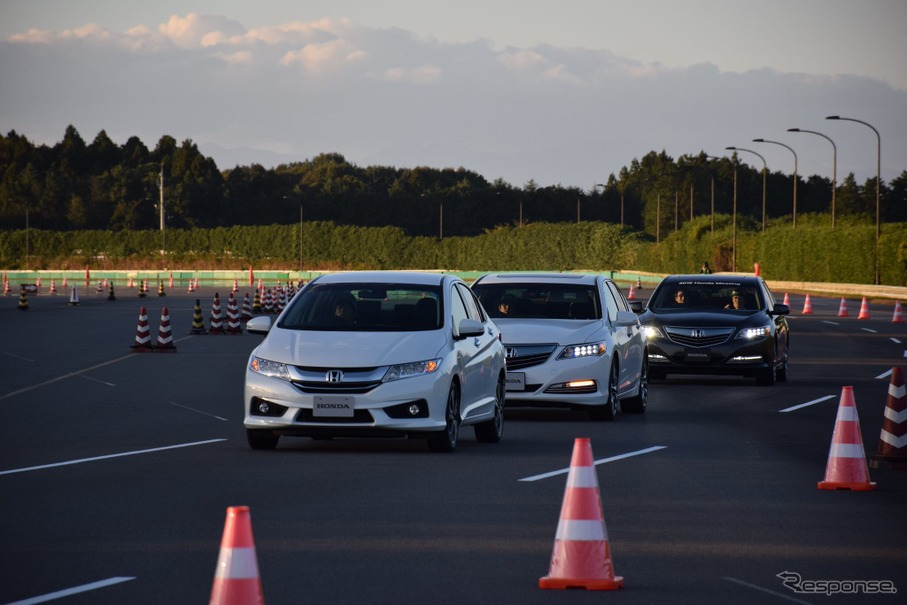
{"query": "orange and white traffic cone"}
pixel 142 334
pixel 235 285
pixel 64 285
pixel 847 468
pixel 892 452
pixel 807 306
pixel 53 288
pixel 864 310
pixel 786 299
pixel 898 316
pixel 236 578
pixel 6 289
pixel 217 320
pixel 165 334
pixel 632 294
pixel 842 310
pixel 170 283
pixel 234 325
pixel 581 557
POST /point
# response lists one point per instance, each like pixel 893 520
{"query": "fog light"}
pixel 414 409
pixel 263 407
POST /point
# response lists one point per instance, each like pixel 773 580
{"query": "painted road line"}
pixel 831 323
pixel 564 471
pixel 53 596
pixel 885 375
pixel 870 330
pixel 120 455
pixel 185 407
pixel 807 404
pixel 65 376
pixel 19 357
pixel 110 384
pixel 765 590
pixel 895 340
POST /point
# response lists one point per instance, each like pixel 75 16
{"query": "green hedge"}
pixel 811 252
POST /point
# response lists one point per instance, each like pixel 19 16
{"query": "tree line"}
pixel 74 185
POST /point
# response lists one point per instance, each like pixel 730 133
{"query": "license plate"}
pixel 516 381
pixel 333 405
pixel 698 356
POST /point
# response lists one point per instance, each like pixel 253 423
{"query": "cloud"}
pixel 554 114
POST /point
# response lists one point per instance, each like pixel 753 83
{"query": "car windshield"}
pixel 706 296
pixel 539 301
pixel 365 307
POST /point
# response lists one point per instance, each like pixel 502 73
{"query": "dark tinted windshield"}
pixel 365 308
pixel 539 301
pixel 704 296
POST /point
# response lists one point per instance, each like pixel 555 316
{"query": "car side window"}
pixel 473 308
pixel 610 304
pixel 622 304
pixel 458 310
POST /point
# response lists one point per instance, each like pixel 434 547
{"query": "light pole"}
pixel 163 232
pixel 712 175
pixel 791 149
pixel 878 184
pixel 300 239
pixel 763 178
pixel 834 167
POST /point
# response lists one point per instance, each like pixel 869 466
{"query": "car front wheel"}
pixel 637 404
pixel 446 440
pixel 611 408
pixel 490 431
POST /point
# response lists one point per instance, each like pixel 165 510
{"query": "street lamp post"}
pixel 712 175
pixel 764 165
pixel 834 167
pixel 791 149
pixel 878 184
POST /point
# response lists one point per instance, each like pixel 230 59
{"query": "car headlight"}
pixel 272 369
pixel 652 332
pixel 754 333
pixel 592 349
pixel 408 370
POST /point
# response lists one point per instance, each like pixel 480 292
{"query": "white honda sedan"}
pixel 377 354
pixel 571 340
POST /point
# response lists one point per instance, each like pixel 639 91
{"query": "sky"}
pixel 560 93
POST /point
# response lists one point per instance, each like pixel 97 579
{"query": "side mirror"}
pixel 259 325
pixel 780 309
pixel 635 306
pixel 467 328
pixel 626 318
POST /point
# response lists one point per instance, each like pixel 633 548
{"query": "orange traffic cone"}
pixel 892 452
pixel 898 317
pixel 786 299
pixel 142 334
pixel 807 306
pixel 581 557
pixel 864 310
pixel 842 310
pixel 632 294
pixel 165 334
pixel 236 578
pixel 847 467
pixel 235 285
pixel 251 276
pixel 170 283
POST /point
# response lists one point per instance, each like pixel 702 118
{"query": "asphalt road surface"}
pixel 116 470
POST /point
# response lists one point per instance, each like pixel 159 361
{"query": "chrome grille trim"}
pixel 698 337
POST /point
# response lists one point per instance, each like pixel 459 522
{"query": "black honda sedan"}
pixel 716 324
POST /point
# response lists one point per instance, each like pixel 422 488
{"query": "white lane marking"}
pixel 52 596
pixel 807 404
pixel 885 375
pixel 185 407
pixel 564 471
pixel 19 357
pixel 870 330
pixel 895 340
pixel 65 376
pixel 110 384
pixel 766 590
pixel 831 323
pixel 120 455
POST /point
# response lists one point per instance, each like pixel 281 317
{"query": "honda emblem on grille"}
pixel 510 352
pixel 697 333
pixel 334 376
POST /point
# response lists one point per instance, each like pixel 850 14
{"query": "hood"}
pixel 534 331
pixel 315 348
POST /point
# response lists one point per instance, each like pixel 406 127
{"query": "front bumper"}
pixel 729 358
pixel 566 382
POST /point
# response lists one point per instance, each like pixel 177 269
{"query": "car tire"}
pixel 781 372
pixel 446 440
pixel 637 404
pixel 261 439
pixel 490 431
pixel 611 408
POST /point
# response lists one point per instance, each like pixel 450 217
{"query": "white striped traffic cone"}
pixel 892 452
pixel 236 578
pixel 142 333
pixel 847 468
pixel 842 310
pixel 807 306
pixel 234 325
pixel 165 334
pixel 864 310
pixel 217 320
pixel 581 557
pixel 897 317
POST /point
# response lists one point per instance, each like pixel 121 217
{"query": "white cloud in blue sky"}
pixel 284 84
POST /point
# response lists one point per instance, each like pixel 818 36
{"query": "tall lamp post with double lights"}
pixel 834 167
pixel 878 183
pixel 764 167
pixel 791 149
pixel 712 175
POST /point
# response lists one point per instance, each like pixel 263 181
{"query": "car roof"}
pixel 539 278
pixel 417 278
